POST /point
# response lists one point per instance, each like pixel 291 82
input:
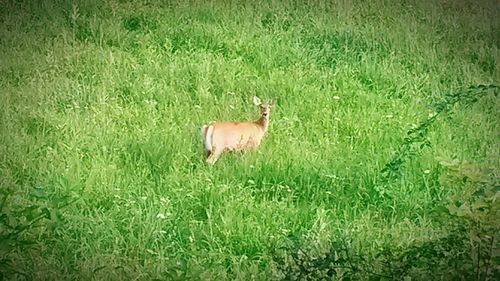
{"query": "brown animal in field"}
pixel 220 136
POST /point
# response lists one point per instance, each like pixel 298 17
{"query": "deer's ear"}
pixel 256 100
pixel 272 102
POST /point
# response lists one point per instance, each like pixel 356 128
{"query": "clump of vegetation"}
pixel 467 252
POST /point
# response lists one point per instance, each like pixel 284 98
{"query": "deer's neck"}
pixel 263 122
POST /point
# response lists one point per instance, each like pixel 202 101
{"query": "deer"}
pixel 221 136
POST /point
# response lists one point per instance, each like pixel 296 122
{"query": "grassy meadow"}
pixel 382 159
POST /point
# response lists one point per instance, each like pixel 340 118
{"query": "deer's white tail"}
pixel 206 134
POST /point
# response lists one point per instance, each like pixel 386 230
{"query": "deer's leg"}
pixel 207 153
pixel 214 155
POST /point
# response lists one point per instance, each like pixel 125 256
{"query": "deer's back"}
pixel 236 135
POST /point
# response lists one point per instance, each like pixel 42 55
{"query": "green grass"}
pixel 102 173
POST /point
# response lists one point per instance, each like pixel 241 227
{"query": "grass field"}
pixel 380 162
